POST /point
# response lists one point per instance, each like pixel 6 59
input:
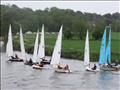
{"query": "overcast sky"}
pixel 99 7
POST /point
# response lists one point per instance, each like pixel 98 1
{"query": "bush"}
pixel 68 34
pixel 99 30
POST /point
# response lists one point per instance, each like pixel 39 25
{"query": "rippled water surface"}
pixel 17 76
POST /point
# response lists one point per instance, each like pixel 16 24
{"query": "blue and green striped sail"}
pixel 103 49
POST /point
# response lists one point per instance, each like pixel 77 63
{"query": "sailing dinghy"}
pixel 36 63
pixel 23 53
pixel 55 61
pixel 9 48
pixel 87 55
pixel 33 61
pixel 105 53
pixel 41 53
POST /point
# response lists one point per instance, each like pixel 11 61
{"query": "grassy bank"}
pixel 72 48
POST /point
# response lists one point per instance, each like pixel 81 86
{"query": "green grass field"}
pixel 73 48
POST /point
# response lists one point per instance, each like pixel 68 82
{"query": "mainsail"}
pixel 9 47
pixel 41 51
pixel 35 56
pixel 103 49
pixel 108 49
pixel 57 49
pixel 22 45
pixel 86 52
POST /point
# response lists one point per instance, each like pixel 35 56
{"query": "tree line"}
pixel 75 23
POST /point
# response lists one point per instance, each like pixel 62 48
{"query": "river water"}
pixel 17 76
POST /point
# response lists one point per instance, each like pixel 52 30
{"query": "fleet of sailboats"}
pixel 39 52
pixel 39 55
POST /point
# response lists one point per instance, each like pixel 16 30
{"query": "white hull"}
pixel 37 67
pixel 118 66
pixel 62 71
pixel 109 68
pixel 16 60
pixel 90 70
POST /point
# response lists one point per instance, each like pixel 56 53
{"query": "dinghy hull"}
pixel 109 68
pixel 27 63
pixel 62 71
pixel 16 60
pixel 45 62
pixel 37 67
pixel 90 70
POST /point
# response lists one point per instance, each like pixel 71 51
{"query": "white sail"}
pixel 22 45
pixel 9 47
pixel 86 52
pixel 57 49
pixel 35 56
pixel 41 51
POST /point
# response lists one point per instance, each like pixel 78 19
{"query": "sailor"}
pixel 41 64
pixel 43 59
pixel 95 67
pixel 12 57
pixel 30 61
pixel 59 67
pixel 109 65
pixel 66 67
pixel 16 56
pixel 116 63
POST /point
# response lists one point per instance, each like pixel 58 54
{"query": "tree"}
pixel 99 29
pixel 68 34
pixel 74 22
pixel 79 28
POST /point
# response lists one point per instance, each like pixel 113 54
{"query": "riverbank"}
pixel 73 49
